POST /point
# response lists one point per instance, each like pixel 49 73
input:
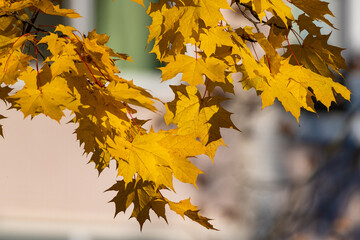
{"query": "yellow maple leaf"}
pixel 1 129
pixel 155 160
pixel 277 7
pixel 12 60
pixel 124 91
pixel 197 119
pixel 214 37
pixel 48 98
pixel 101 56
pixel 317 55
pixel 206 10
pixel 291 85
pixel 45 6
pixel 11 66
pixel 143 194
pixel 193 69
pixel 10 28
pixel 180 21
pixel 48 7
pixel 315 9
pixel 63 54
pixel 185 208
pixel 141 2
pixel 4 93
pixel 324 88
pixel 180 148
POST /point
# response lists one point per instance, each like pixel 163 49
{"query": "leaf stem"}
pixel 252 44
pixel 98 68
pixel 287 39
pixel 206 88
pixel 295 34
pixel 247 17
pixel 196 56
pixel 39 51
pixel 96 80
pixel 132 118
pixel 37 67
pixel 87 66
pixel 268 62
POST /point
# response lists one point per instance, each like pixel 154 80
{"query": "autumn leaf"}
pixel 145 197
pixel 36 97
pixel 277 7
pixel 156 160
pixel 63 54
pixel 45 6
pixel 317 55
pixel 124 91
pixel 1 129
pixel 180 148
pixel 10 28
pixel 141 2
pixel 146 157
pixel 4 92
pixel 185 208
pixel 294 86
pixel 13 61
pixel 315 9
pixel 201 118
pixel 214 37
pixel 194 69
pixel 180 21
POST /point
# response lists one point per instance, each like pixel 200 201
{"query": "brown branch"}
pixel 6 15
pixel 38 50
pixel 250 9
pixel 247 17
pixel 247 38
pixel 256 16
pixel 274 24
pixel 26 22
pixel 32 21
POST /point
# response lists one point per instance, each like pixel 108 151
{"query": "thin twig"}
pixel 250 9
pixel 247 38
pixel 39 51
pixel 32 21
pixel 29 23
pixel 256 16
pixel 247 17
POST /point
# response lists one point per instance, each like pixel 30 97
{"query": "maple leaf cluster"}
pixel 78 73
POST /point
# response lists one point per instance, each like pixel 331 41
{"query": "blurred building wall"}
pixel 125 22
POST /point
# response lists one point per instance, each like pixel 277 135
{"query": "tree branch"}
pixel 30 24
pixel 247 17
pixel 255 15
pixel 32 21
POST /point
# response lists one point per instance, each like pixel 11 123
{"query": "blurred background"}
pixel 276 180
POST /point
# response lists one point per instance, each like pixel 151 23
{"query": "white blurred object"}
pixel 353 19
pixel 86 8
pixel 80 235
